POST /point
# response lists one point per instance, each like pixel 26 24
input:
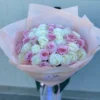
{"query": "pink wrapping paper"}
pixel 39 14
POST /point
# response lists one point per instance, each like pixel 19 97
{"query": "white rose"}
pixel 32 33
pixel 21 58
pixel 58 31
pixel 55 59
pixel 74 56
pixel 66 31
pixel 73 47
pixel 76 34
pixel 26 47
pixel 36 60
pixel 66 59
pixel 59 39
pixel 34 30
pixel 42 27
pixel 35 49
pixel 81 54
pixel 41 33
pixel 43 41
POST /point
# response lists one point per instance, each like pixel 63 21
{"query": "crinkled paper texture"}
pixel 39 14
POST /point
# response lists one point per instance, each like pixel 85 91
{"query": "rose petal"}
pixel 53 25
pixel 51 46
pixel 28 55
pixel 33 40
pixel 44 54
pixel 81 42
pixel 44 64
pixel 51 36
pixel 70 38
pixel 25 40
pixel 62 49
pixel 27 62
pixel 50 28
pixel 25 33
pixel 18 47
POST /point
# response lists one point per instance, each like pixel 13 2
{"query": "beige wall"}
pixel 86 79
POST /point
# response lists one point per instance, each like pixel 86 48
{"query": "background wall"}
pixel 87 79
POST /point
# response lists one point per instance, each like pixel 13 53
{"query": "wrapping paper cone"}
pixel 39 14
pixel 8 36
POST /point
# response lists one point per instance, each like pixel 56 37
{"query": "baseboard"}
pixel 22 93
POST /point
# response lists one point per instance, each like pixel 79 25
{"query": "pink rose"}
pixel 60 26
pixel 85 47
pixel 18 47
pixel 25 40
pixel 51 46
pixel 51 27
pixel 44 64
pixel 62 49
pixel 44 54
pixel 51 36
pixel 70 38
pixel 81 42
pixel 25 33
pixel 26 62
pixel 28 56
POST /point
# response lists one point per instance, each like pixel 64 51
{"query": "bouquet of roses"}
pixel 51 44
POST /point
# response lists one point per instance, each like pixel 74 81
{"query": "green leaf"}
pixel 55 89
pixel 38 85
pixel 62 86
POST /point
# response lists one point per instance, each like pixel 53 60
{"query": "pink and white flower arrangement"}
pixel 51 44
